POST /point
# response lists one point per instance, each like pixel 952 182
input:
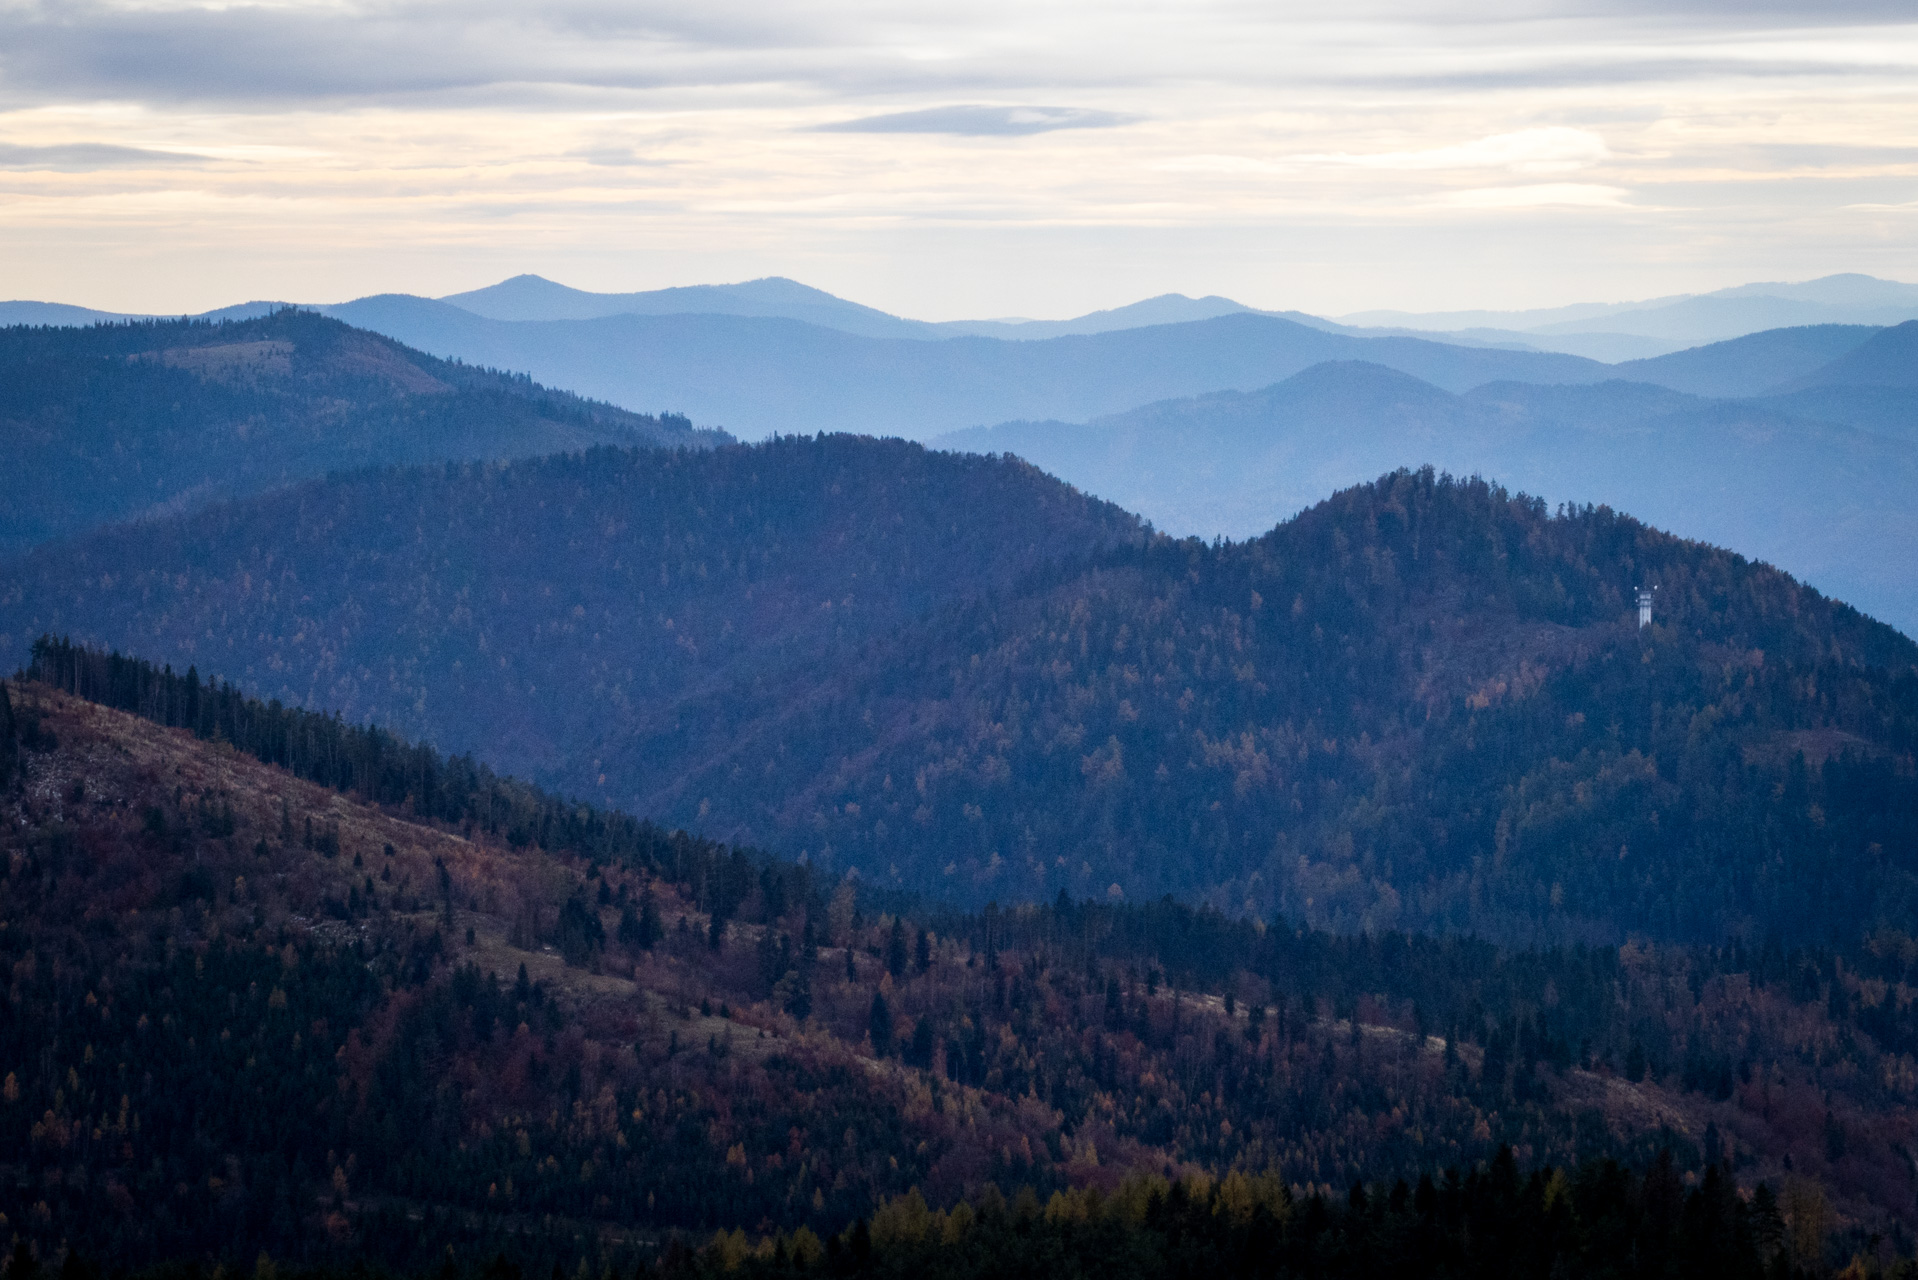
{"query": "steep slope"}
pixel 520 607
pixel 303 1005
pixel 756 375
pixel 1873 387
pixel 1832 505
pixel 1888 359
pixel 119 421
pixel 437 1023
pixel 1421 702
pixel 1751 365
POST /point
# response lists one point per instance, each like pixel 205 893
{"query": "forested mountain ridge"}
pixel 121 420
pixel 558 594
pixel 1781 480
pixel 1421 703
pixel 699 1038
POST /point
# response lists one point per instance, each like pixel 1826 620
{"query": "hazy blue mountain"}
pixel 1711 318
pixel 1751 365
pixel 1887 359
pixel 1849 299
pixel 1873 387
pixel 56 313
pixel 1176 308
pixel 1847 289
pixel 1834 505
pixel 1508 320
pixel 1609 348
pixel 108 423
pixel 59 314
pixel 1167 308
pixel 759 375
pixel 1887 411
pixel 530 297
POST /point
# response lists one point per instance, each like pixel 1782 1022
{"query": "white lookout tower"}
pixel 1645 595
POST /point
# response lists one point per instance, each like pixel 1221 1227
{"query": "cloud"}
pixel 85 157
pixel 615 158
pixel 975 121
pixel 1544 195
pixel 1289 154
pixel 1543 150
pixel 288 52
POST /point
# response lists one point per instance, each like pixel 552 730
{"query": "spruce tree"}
pixel 651 930
pixel 896 949
pixel 879 1026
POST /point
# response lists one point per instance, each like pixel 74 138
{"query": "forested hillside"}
pixel 532 607
pixel 1834 505
pixel 122 420
pixel 520 1032
pixel 1422 703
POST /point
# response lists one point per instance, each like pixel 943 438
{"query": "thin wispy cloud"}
pixel 1553 149
pixel 1543 195
pixel 1283 154
pixel 981 122
pixel 87 157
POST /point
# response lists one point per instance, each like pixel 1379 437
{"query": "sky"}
pixel 1040 158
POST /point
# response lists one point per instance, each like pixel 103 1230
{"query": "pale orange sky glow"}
pixel 1001 159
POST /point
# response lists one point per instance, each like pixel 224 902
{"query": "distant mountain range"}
pixel 1606 332
pixel 1678 321
pixel 1600 331
pixel 1792 445
pixel 1831 503
pixel 756 375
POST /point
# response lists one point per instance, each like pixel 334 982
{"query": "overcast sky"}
pixel 956 160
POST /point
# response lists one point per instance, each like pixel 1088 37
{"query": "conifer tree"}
pixel 879 1026
pixel 896 949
